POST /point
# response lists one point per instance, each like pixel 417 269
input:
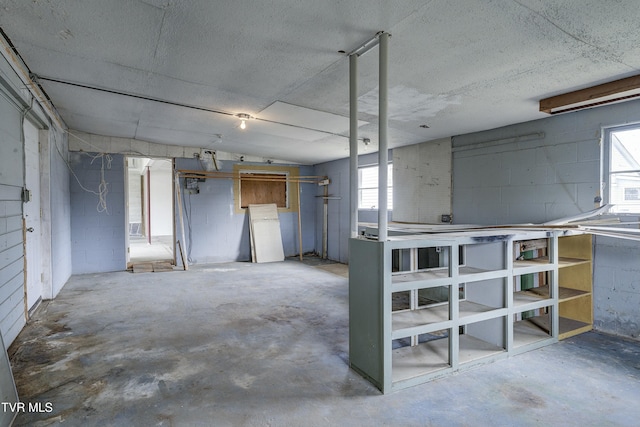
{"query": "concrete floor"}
pixel 243 344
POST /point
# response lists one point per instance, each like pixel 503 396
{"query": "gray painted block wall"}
pixel 617 286
pixel 540 179
pixel 97 238
pixel 219 234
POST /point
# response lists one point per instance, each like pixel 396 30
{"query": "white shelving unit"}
pixel 425 306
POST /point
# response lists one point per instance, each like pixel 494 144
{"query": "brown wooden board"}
pixel 254 192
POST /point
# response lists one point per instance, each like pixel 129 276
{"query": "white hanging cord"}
pixel 103 186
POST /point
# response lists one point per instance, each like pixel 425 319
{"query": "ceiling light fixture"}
pixel 366 141
pixel 244 117
pixel 607 93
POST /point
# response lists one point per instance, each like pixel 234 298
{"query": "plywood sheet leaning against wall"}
pixel 265 236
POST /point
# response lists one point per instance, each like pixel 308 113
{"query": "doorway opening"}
pixel 150 218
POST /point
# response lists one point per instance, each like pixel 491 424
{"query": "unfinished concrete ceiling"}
pixel 456 67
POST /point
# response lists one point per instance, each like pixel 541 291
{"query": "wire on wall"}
pixel 23 117
pixel 103 186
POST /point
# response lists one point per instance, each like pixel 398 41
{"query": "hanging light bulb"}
pixel 244 117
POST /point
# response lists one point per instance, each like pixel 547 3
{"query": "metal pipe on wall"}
pixel 353 144
pixel 325 222
pixel 148 204
pixel 383 154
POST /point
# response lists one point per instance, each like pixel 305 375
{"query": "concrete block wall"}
pixel 553 174
pixel 97 238
pixel 617 294
pixel 546 169
pixel 218 234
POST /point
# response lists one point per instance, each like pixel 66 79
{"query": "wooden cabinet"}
pixel 424 306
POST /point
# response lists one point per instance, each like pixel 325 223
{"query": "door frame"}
pixel 43 268
pixel 146 200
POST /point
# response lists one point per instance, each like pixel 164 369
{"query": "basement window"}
pixel 368 187
pixel 621 168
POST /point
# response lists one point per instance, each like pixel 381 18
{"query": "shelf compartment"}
pixel 577 276
pixel 543 292
pixel 483 260
pixel 532 330
pixel 417 258
pixel 577 247
pixel 472 349
pixel 431 354
pixel 419 298
pixel 482 339
pixel 532 290
pixel 469 308
pixel 483 299
pixel 532 295
pixel 566 328
pixel 575 315
pixel 578 308
pixel 569 327
pixel 566 294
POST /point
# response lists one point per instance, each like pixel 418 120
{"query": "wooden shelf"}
pixel 569 262
pixel 566 294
